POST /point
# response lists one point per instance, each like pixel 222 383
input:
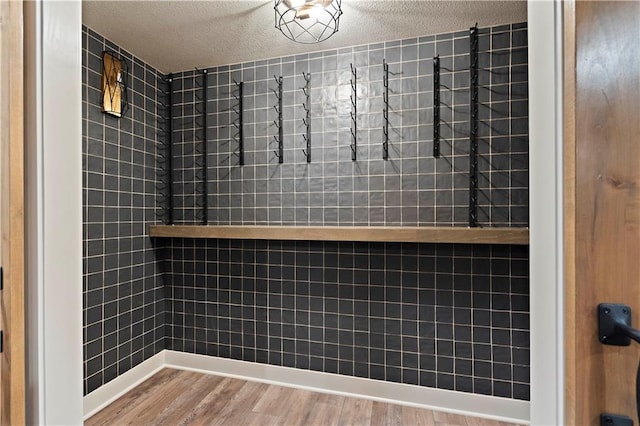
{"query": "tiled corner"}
pixel 123 287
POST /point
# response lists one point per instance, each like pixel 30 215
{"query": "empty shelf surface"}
pixel 461 235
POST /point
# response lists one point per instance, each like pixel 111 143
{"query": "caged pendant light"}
pixel 308 21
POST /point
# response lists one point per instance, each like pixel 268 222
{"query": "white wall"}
pixel 53 151
pixel 545 163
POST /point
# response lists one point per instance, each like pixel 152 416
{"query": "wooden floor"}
pixel 174 397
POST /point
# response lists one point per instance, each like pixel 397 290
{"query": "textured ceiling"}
pixel 180 35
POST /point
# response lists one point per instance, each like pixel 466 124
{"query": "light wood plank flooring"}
pixel 174 397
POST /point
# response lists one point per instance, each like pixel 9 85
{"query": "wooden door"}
pixel 602 210
pixel 12 358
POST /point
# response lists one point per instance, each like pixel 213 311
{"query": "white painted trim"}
pixel 109 392
pixel 546 224
pixel 53 206
pixel 62 210
pixel 34 387
pixel 502 409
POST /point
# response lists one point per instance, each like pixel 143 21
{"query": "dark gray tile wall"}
pixel 438 315
pixel 445 316
pixel 123 288
pixel 411 188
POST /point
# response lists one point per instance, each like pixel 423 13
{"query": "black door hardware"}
pixel 614 328
pixel 607 419
pixel 614 325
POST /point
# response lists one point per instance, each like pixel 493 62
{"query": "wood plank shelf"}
pixel 517 236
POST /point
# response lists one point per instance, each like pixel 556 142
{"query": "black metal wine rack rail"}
pixel 354 113
pixel 385 110
pixel 307 118
pixel 436 106
pixel 165 150
pixel 278 123
pixel 203 164
pixel 473 126
pixel 238 123
pixel 473 120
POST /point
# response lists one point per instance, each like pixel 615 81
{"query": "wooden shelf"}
pixel 518 236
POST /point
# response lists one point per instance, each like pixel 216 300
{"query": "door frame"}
pixel 546 165
pixel 53 210
pixel 54 229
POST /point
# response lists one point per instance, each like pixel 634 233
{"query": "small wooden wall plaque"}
pixel 114 84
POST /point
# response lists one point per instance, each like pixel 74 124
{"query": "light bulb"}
pixel 315 12
pixel 310 8
pixel 294 4
pixel 304 12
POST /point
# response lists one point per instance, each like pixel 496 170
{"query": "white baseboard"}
pixel 109 392
pixel 502 409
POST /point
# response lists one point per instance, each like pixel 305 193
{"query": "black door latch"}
pixel 614 325
pixel 614 328
pixel 607 419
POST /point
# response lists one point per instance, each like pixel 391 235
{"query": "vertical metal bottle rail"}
pixel 436 107
pixel 385 110
pixel 307 120
pixel 200 146
pixel 354 113
pixel 473 126
pixel 205 150
pixel 169 159
pixel 279 139
pixel 239 122
pixel 164 151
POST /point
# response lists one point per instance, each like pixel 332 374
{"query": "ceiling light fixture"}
pixel 308 21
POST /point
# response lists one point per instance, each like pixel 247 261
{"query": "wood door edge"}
pixel 15 269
